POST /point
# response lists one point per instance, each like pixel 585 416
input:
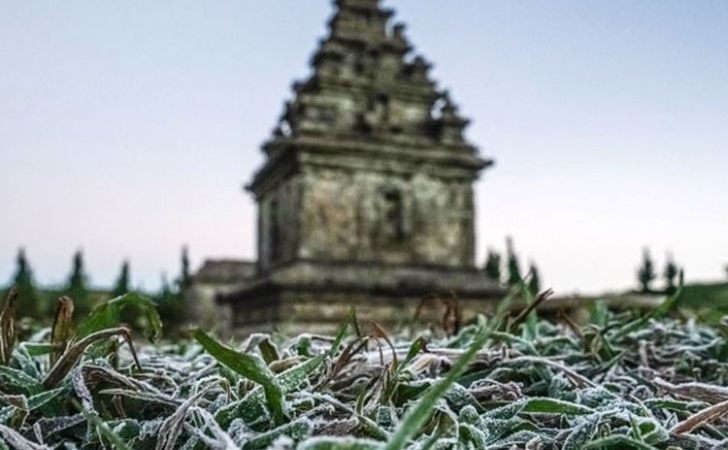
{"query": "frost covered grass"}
pixel 503 382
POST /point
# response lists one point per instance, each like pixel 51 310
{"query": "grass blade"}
pixel 7 327
pixel 251 367
pixel 421 412
pixel 74 352
pixel 62 329
pixel 108 315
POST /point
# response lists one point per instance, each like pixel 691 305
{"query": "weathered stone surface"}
pixel 215 278
pixel 366 196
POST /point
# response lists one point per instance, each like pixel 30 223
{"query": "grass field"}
pixel 504 382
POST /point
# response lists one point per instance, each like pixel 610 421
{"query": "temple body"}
pixel 366 195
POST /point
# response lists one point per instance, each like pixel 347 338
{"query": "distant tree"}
pixel 170 304
pixel 184 278
pixel 670 273
pixel 76 286
pixel 646 272
pixel 514 271
pixel 131 314
pixel 28 304
pixel 122 283
pixel 493 265
pixel 534 281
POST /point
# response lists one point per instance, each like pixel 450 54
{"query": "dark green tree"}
pixel 514 271
pixel 122 283
pixel 170 300
pixel 184 278
pixel 170 304
pixel 77 287
pixel 670 273
pixel 534 280
pixel 131 314
pixel 646 272
pixel 493 265
pixel 29 304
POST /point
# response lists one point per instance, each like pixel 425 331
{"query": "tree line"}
pixel 38 303
pixel 508 271
pixel 647 274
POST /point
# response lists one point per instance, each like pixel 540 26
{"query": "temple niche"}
pixel 366 195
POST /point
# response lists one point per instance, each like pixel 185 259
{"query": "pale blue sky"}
pixel 128 128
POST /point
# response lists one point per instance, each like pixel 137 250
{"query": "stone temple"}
pixel 365 198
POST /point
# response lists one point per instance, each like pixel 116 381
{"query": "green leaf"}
pixel 618 442
pixel 7 327
pixel 14 381
pixel 339 443
pixel 553 406
pixel 250 408
pixel 38 400
pixel 470 434
pixel 74 352
pixel 39 348
pixel 62 330
pixel 582 434
pixel 108 315
pixel 505 412
pixel 102 428
pixel 268 350
pixel 422 410
pixel 667 305
pixel 251 367
pixel 415 349
pixel 297 430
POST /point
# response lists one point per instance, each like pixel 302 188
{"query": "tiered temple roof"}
pixel 368 87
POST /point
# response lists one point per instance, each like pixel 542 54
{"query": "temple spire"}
pixel 366 83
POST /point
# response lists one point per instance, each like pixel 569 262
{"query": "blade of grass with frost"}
pixel 297 430
pixel 7 327
pixel 27 363
pixel 617 442
pixel 172 426
pixel 701 417
pixel 220 441
pixel 146 397
pixel 251 367
pixel 108 315
pixel 366 423
pixel 338 443
pixel 74 352
pixel 14 381
pixel 39 348
pixel 581 434
pixel 62 329
pixel 38 400
pixel 525 345
pixel 420 413
pixel 17 441
pixel 660 311
pixel 294 376
pixel 268 350
pixel 101 426
pixel 288 380
pixel 554 406
pixel 415 349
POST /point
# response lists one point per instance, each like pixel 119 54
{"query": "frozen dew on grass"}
pixel 502 383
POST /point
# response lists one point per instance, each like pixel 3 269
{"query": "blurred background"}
pixel 127 129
